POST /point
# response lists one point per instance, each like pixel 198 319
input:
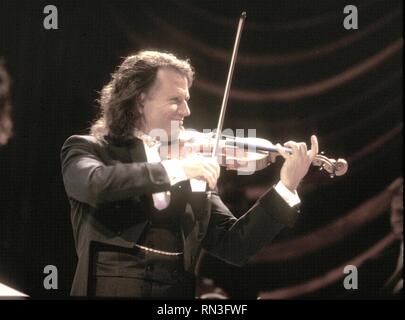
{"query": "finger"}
pixel 314 147
pixel 210 164
pixel 215 165
pixel 212 169
pixel 217 170
pixel 282 151
pixel 210 178
pixel 207 174
pixel 293 145
pixel 303 149
pixel 288 143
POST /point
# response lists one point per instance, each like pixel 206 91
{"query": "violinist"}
pixel 139 226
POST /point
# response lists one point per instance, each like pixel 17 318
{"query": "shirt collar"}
pixel 147 139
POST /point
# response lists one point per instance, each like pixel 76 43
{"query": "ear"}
pixel 142 99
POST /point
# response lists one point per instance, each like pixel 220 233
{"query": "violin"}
pixel 244 154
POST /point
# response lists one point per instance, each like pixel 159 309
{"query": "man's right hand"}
pixel 201 168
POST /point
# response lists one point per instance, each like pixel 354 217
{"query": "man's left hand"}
pixel 297 164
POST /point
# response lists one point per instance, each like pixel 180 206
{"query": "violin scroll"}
pixel 334 167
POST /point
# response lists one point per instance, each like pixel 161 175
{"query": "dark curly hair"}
pixel 5 105
pixel 120 99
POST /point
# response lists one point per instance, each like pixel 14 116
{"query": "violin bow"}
pixel 225 99
pixel 228 84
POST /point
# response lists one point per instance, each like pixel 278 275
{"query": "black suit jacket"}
pixel 110 188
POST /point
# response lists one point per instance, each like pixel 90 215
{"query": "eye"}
pixel 177 100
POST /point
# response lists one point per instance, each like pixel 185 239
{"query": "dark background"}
pixel 56 75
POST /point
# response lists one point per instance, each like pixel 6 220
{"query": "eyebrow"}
pixel 186 97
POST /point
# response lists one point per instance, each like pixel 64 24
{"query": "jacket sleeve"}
pixel 235 240
pixel 87 179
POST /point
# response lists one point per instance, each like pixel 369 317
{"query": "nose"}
pixel 184 110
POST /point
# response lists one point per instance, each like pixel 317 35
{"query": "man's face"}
pixel 165 105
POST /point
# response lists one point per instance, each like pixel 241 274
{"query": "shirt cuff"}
pixel 291 198
pixel 174 171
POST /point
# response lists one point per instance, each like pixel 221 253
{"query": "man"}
pixel 138 227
